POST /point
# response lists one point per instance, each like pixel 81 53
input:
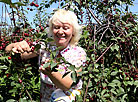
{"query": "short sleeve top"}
pixel 74 55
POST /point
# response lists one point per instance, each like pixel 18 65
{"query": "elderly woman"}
pixel 65 30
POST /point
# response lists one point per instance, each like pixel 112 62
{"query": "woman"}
pixel 65 30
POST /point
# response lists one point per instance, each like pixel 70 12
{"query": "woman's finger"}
pixel 20 49
pixel 15 50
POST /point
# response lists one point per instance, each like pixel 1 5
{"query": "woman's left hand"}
pixel 46 70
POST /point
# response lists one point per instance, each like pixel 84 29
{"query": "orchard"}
pixel 109 37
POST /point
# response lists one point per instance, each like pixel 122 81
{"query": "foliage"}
pixel 110 36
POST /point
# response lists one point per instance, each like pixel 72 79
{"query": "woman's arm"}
pixel 57 78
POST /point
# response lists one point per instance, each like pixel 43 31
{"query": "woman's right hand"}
pixel 21 47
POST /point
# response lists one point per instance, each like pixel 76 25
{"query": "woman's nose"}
pixel 60 31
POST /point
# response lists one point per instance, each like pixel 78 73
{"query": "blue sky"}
pixel 31 14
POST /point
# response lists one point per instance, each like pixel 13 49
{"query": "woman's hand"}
pixel 21 47
pixel 57 78
pixel 46 70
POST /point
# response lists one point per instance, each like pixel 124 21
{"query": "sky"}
pixel 31 14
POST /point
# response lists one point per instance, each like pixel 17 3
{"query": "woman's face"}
pixel 62 33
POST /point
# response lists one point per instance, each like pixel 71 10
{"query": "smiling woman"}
pixel 68 19
pixel 65 30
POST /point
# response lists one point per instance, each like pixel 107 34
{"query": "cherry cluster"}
pixel 32 4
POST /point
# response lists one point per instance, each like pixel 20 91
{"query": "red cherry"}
pixel 21 39
pixel 1 47
pixel 28 8
pixel 20 81
pixel 7 75
pixel 136 76
pixel 7 42
pixel 9 58
pixel 32 4
pixel 33 48
pixel 36 5
pixel 126 28
pixel 26 34
pixel 42 29
pixel 37 31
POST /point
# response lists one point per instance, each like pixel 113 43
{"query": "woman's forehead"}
pixel 59 22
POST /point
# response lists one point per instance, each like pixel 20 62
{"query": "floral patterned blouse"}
pixel 74 55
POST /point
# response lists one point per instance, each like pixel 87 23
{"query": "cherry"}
pixel 42 29
pixel 32 4
pixel 21 39
pixel 32 48
pixel 126 28
pixel 26 34
pixel 20 81
pixel 37 31
pixel 1 47
pixel 7 75
pixel 36 5
pixel 9 58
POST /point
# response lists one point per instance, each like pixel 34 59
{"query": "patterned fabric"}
pixel 74 55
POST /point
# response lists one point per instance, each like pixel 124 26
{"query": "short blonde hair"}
pixel 66 16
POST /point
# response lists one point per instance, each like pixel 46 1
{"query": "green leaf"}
pixel 120 91
pixel 46 65
pixel 136 83
pixel 104 84
pixel 95 70
pixel 50 39
pixel 37 47
pixel 116 81
pixel 6 1
pixel 74 76
pixel 11 100
pixel 107 95
pixel 3 57
pixel 53 64
pixel 103 92
pixel 112 84
pixel 115 47
pixel 130 82
pixel 114 73
pixel 113 91
pixel 128 25
pixel 123 98
pixel 96 65
pixel 71 67
pixel 130 34
pixel 3 67
pixel 13 83
pixel 13 90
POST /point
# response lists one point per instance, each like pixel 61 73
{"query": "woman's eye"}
pixel 66 28
pixel 56 27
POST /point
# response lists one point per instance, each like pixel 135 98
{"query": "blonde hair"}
pixel 66 16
